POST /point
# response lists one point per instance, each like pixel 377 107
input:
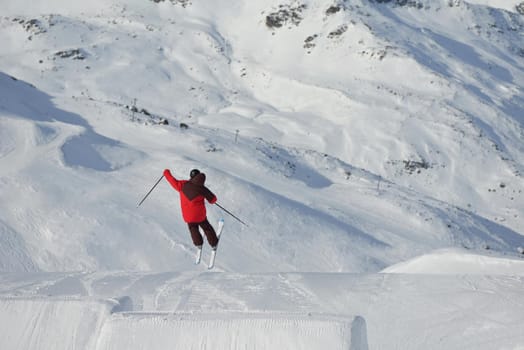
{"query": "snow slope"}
pixel 458 262
pixel 353 137
pixel 304 152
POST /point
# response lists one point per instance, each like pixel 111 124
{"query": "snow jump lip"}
pixel 86 323
pixel 233 330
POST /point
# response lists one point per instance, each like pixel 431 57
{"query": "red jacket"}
pixel 192 195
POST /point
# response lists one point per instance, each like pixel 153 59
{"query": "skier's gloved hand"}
pixel 167 172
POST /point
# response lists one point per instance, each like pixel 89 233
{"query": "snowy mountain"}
pixel 373 148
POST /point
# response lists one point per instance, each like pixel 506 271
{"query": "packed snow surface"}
pixel 373 149
pixel 194 310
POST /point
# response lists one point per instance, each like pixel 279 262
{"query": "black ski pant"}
pixel 209 231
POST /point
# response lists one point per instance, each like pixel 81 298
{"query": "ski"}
pixel 198 255
pixel 212 259
pixel 214 251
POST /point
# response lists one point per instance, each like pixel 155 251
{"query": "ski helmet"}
pixel 194 173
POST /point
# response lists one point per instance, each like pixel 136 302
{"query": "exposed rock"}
pixel 285 14
pixel 333 9
pixel 75 54
pixel 338 32
pixel 309 41
pixel 520 8
pixel 412 166
pixel 183 3
pixel 407 3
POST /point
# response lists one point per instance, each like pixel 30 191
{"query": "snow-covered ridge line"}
pixel 454 261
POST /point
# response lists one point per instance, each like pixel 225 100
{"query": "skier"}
pixel 192 195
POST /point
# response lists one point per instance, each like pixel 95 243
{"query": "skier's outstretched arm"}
pixel 177 185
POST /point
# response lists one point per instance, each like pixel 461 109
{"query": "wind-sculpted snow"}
pixel 83 149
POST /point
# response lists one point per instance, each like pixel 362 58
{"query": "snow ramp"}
pixel 231 331
pixel 44 324
pixel 83 323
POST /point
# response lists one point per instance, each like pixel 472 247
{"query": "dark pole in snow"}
pixel 151 190
pixel 227 211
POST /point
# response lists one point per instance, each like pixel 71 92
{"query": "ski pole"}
pixel 227 211
pixel 151 190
